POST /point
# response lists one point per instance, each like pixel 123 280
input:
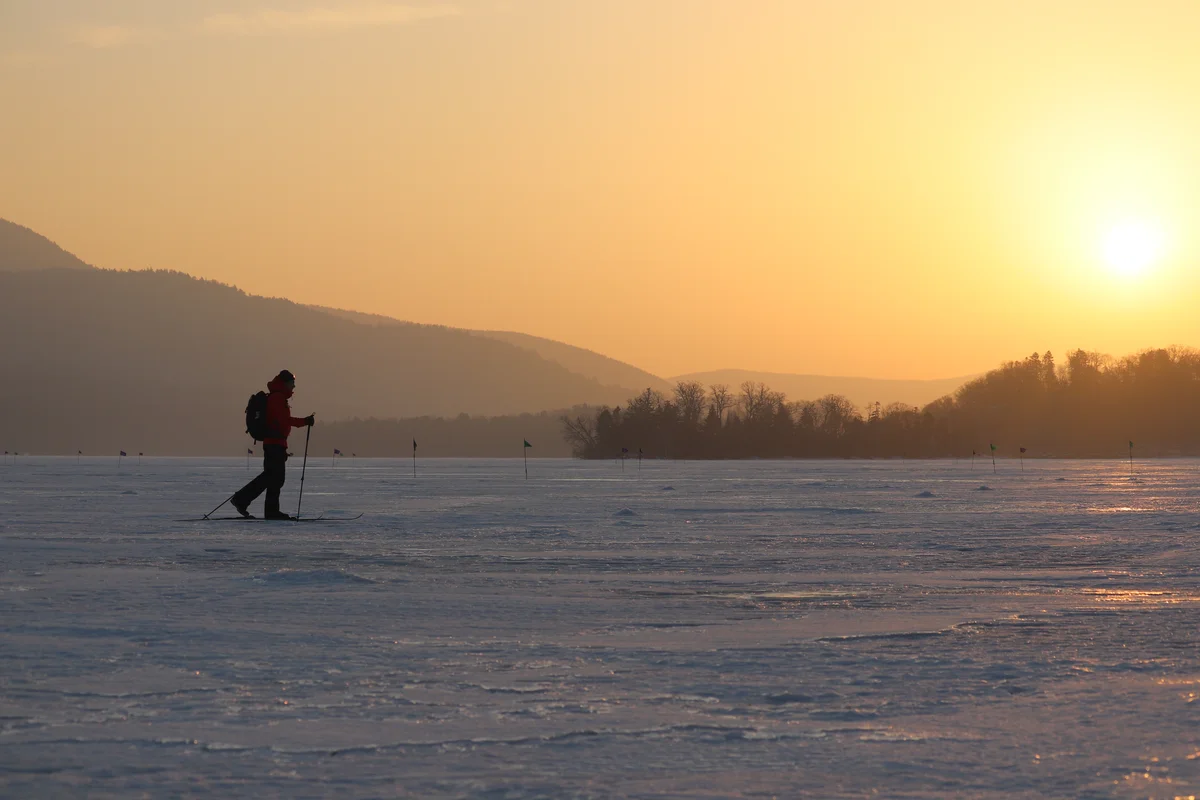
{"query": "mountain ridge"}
pixel 161 361
pixel 23 249
pixel 588 363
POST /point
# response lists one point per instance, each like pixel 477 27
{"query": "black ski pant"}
pixel 269 480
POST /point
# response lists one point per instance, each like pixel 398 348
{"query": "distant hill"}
pixel 162 362
pixel 21 249
pixel 583 362
pixel 860 391
pixel 362 317
pixel 590 364
pixel 631 380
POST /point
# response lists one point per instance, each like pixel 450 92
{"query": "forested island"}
pixel 1090 406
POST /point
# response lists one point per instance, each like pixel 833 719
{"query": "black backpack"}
pixel 256 416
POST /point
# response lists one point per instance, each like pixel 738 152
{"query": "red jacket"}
pixel 279 414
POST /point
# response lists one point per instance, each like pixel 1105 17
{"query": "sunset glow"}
pixel 788 186
pixel 1131 248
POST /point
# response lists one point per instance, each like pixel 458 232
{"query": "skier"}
pixel 275 454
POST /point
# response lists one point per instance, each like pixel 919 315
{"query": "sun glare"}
pixel 1132 247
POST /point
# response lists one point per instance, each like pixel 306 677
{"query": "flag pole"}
pixel 1131 458
pixel 414 456
pixel 993 457
pixel 525 455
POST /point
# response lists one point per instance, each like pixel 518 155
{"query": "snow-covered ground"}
pixel 751 629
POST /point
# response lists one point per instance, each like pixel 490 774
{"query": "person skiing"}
pixel 275 454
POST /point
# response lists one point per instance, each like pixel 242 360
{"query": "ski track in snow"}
pixel 790 628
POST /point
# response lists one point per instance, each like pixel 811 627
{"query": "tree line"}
pixel 1092 405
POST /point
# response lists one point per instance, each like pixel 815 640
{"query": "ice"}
pixel 787 628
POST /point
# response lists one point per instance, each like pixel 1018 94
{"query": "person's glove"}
pixel 310 420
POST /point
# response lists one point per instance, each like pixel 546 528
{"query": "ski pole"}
pixel 223 502
pixel 303 467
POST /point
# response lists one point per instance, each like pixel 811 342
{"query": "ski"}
pixel 260 519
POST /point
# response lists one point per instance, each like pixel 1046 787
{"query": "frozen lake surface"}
pixel 749 629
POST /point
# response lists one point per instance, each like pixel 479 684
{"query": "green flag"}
pixel 1131 445
pixel 527 444
pixel 992 446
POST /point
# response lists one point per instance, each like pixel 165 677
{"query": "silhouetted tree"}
pixel 580 433
pixel 719 400
pixel 689 400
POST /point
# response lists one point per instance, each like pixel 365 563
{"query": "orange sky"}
pixel 896 189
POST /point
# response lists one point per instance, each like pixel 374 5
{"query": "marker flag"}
pixel 124 454
pixel 1022 449
pixel 992 446
pixel 337 452
pixel 249 452
pixel 527 444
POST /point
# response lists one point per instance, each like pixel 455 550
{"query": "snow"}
pixel 790 628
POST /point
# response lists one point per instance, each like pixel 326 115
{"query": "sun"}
pixel 1132 247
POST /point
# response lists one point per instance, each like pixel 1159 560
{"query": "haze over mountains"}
pixel 611 372
pixel 860 391
pixel 162 362
pixel 588 363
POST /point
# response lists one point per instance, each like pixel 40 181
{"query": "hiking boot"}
pixel 243 509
